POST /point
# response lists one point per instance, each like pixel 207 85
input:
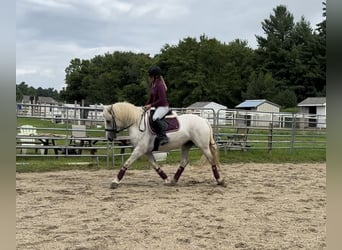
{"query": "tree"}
pixel 292 53
pixel 23 89
pixel 273 52
pixel 73 78
pixel 19 93
pixel 287 98
pixel 180 68
pixel 321 27
pixel 261 86
pixel 107 78
pixel 206 70
pixel 320 36
pixel 237 68
pixel 287 66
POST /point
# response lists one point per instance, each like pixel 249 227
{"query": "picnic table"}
pixel 85 142
pixel 76 145
pixel 40 141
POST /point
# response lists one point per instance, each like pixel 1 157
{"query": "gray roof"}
pixel 206 105
pixel 313 101
pixel 26 99
pixel 254 103
pixel 198 105
pixel 40 99
pixel 46 100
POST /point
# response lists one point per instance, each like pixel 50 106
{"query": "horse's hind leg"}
pixel 184 162
pixel 207 152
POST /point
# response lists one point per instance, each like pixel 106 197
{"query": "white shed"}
pixel 315 109
pixel 207 110
pixel 37 105
pixel 263 112
pixel 259 105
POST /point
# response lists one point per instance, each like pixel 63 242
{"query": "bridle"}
pixel 114 128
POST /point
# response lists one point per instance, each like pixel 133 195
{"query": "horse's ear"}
pixel 106 110
pixel 108 107
pixel 105 107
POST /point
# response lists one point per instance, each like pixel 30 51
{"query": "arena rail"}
pixel 264 131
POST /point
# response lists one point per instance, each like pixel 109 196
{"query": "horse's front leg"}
pixel 155 166
pixel 183 163
pixel 137 152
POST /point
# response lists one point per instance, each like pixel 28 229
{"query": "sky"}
pixel 50 33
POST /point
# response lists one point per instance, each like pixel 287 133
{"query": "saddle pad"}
pixel 172 124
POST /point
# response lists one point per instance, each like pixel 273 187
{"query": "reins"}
pixel 143 117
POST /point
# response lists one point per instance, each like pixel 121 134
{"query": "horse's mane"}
pixel 127 112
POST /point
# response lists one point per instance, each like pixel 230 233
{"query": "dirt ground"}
pixel 263 206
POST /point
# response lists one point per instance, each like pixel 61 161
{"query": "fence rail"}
pixel 233 130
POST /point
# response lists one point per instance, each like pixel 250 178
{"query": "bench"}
pixel 27 132
pixel 43 142
pixel 237 141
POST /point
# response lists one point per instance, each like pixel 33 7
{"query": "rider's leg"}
pixel 159 124
pixel 160 130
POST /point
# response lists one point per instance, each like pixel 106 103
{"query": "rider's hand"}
pixel 147 107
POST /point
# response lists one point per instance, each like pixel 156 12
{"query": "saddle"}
pixel 170 120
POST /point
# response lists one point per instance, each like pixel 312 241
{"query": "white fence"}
pixel 265 130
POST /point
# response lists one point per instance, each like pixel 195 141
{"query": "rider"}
pixel 158 100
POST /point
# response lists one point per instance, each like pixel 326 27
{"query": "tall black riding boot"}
pixel 160 129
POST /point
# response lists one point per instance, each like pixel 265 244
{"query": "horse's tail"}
pixel 213 147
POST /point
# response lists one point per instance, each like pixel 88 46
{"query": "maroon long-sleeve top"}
pixel 157 96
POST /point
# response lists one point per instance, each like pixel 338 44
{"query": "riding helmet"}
pixel 154 71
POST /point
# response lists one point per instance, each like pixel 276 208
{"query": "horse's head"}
pixel 120 116
pixel 110 123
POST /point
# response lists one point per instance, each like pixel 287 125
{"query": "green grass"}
pixel 43 164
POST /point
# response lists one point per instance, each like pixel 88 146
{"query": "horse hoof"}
pixel 114 185
pixel 221 183
pixel 170 183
